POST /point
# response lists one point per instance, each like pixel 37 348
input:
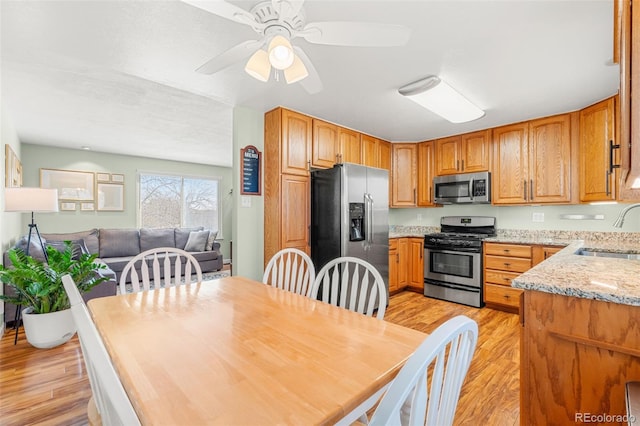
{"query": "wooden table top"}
pixel 234 351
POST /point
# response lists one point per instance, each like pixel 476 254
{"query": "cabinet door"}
pixel 510 164
pixel 369 151
pixel 404 262
pixel 448 156
pixel 295 212
pixel 475 151
pixel 550 160
pixel 597 178
pixel 404 175
pixel 393 264
pixel 416 249
pixel 384 155
pixel 350 146
pixel 325 144
pixel 296 143
pixel 425 173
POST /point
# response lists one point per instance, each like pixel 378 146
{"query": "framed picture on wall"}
pixel 87 207
pixel 71 185
pixel 110 197
pixel 103 177
pixel 66 206
pixel 12 168
pixel 118 178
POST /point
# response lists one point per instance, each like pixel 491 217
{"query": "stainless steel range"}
pixel 453 259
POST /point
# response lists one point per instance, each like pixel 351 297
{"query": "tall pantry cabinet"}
pixel 287 145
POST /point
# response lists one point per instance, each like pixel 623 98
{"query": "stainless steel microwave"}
pixel 465 188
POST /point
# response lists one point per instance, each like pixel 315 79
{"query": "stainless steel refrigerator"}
pixel 350 215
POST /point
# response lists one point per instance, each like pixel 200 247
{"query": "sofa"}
pixel 115 247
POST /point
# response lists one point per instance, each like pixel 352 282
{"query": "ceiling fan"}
pixel 278 22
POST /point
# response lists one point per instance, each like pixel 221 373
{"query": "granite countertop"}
pixel 601 278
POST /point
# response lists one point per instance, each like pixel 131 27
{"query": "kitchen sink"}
pixel 618 255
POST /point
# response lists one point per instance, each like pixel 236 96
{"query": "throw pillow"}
pixel 35 249
pixel 211 240
pixel 79 247
pixel 197 240
pixel 182 235
pixel 90 238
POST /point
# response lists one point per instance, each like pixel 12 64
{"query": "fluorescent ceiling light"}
pixel 437 96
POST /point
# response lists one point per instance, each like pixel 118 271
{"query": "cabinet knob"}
pixel 507 264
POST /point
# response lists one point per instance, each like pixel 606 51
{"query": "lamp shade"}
pixel 296 72
pixel 259 66
pixel 30 200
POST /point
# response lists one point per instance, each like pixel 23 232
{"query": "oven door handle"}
pixel 454 251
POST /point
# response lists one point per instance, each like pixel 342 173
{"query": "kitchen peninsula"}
pixel 580 336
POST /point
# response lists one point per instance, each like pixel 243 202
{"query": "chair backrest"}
pixel 292 270
pixel 414 398
pixel 172 261
pixel 111 399
pixel 351 283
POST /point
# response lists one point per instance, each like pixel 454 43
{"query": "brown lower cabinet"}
pixel 504 262
pixel 406 264
pixel 576 356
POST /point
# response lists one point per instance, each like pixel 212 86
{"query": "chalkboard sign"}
pixel 251 176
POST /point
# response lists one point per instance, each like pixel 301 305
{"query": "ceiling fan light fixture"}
pixel 281 54
pixel 296 72
pixel 437 96
pixel 258 65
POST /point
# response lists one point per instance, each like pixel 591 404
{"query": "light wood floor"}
pixel 49 386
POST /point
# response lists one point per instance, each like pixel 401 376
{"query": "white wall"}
pixel 520 217
pixel 248 225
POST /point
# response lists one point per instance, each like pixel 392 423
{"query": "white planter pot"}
pixel 48 330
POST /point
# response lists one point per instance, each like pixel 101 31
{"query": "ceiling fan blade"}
pixel 230 57
pixel 226 10
pixel 361 34
pixel 312 84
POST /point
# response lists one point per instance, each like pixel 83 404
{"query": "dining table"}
pixel 234 351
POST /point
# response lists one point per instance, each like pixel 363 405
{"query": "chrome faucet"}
pixel 620 220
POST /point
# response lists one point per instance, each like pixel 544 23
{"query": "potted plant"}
pixel 38 288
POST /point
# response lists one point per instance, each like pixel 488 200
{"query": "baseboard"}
pixel 226 261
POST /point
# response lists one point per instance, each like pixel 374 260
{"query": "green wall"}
pixel 520 217
pixel 248 226
pixel 35 157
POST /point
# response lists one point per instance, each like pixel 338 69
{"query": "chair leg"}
pixel 92 413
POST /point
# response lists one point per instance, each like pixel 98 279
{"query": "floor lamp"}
pixel 34 200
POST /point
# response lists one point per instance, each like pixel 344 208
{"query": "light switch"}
pixel 246 201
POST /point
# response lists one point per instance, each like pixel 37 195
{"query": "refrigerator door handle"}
pixel 369 200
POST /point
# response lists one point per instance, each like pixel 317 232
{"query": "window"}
pixel 169 201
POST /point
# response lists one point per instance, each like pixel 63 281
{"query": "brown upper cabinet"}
pixel 325 144
pixel 369 150
pixel 598 153
pixel 404 175
pixel 466 153
pixel 350 146
pixel 532 162
pixel 295 140
pixel 384 155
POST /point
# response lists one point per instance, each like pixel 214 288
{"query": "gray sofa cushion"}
pixel 197 240
pixel 182 235
pixel 119 242
pixel 90 238
pixel 35 249
pixel 152 238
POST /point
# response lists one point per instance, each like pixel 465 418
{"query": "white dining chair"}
pixel 166 266
pixel 420 395
pixel 292 270
pixel 353 284
pixel 111 400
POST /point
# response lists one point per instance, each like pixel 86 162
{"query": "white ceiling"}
pixel 118 76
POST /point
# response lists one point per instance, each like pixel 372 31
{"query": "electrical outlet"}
pixel 419 217
pixel 537 217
